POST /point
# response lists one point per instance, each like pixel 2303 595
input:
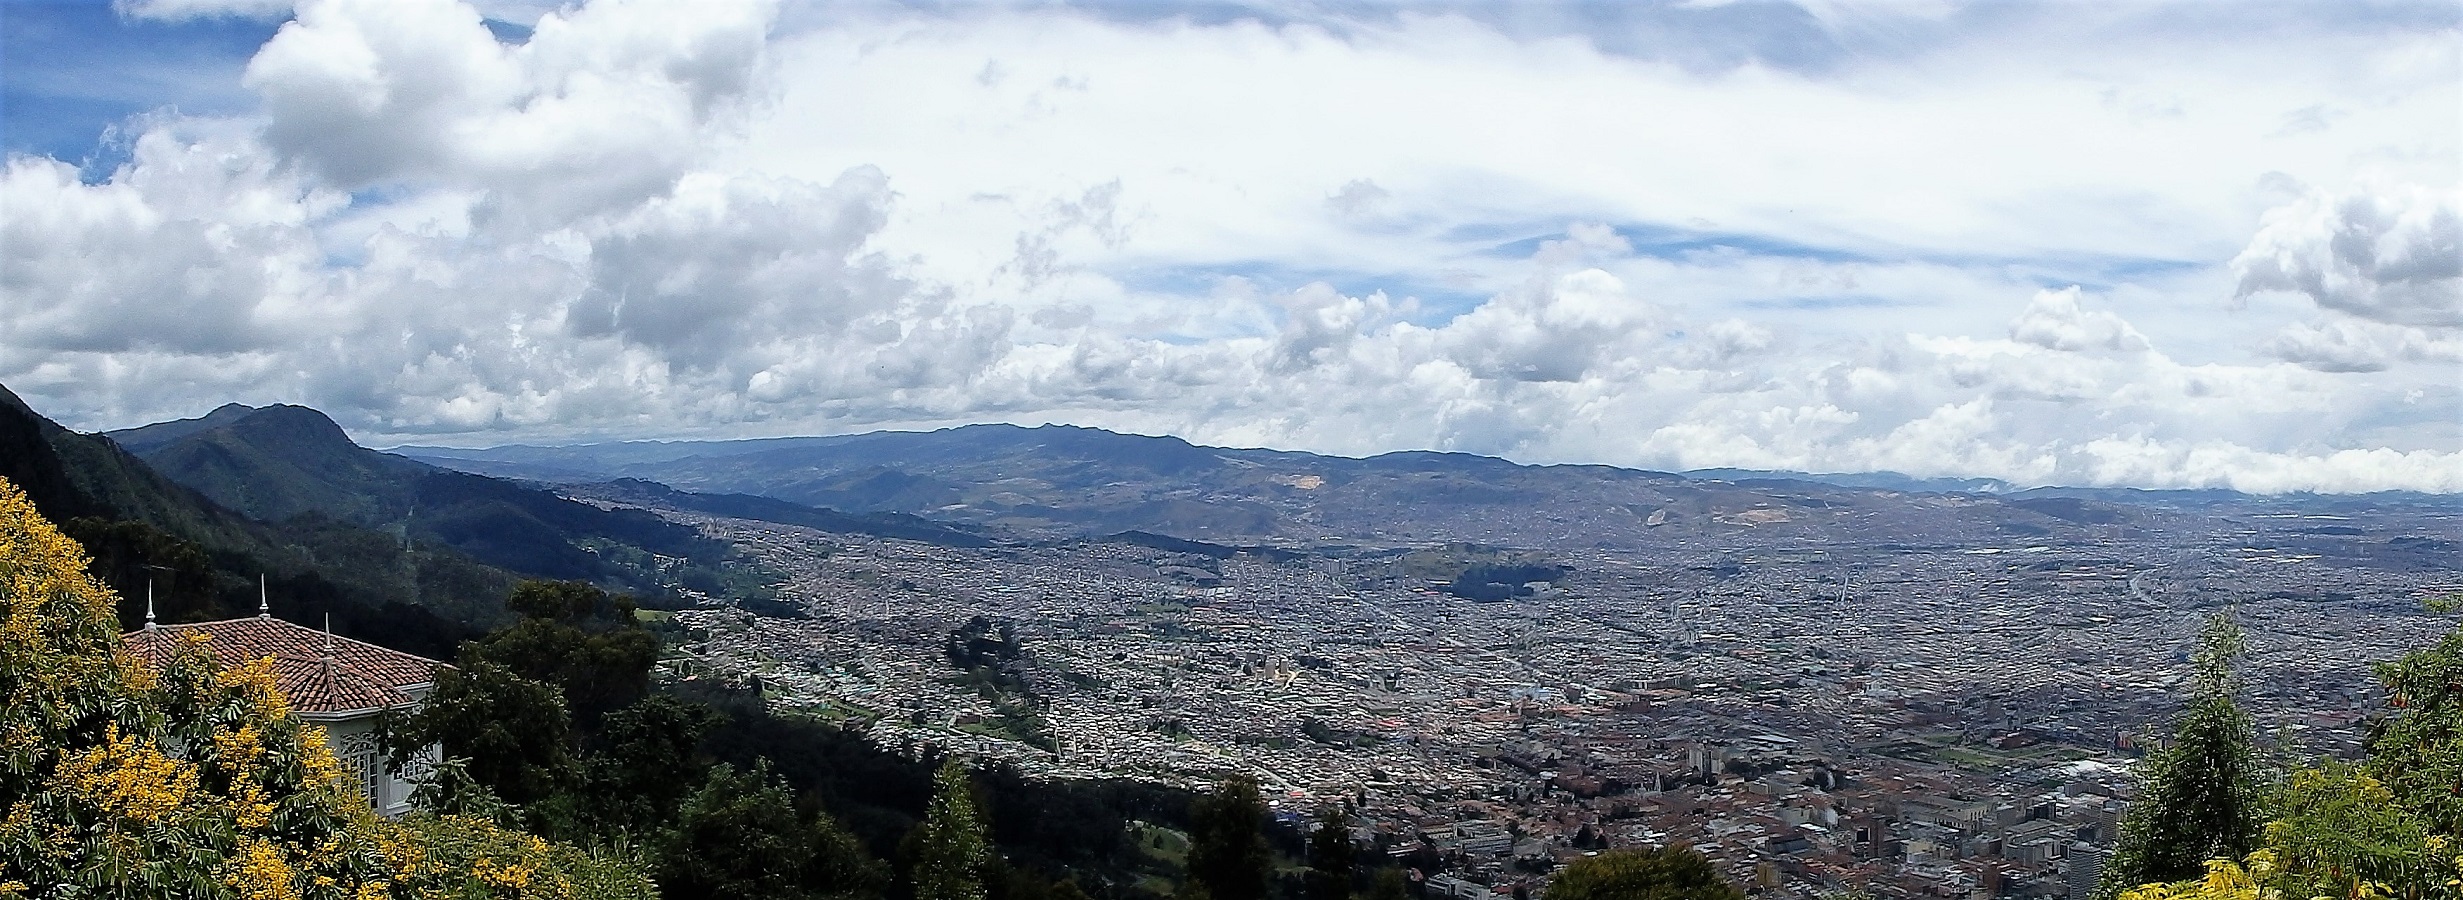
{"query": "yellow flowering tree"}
pixel 120 779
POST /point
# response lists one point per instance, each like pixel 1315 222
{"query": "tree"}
pixel 737 836
pixel 580 639
pixel 1227 844
pixel 841 866
pixel 119 778
pixel 2417 750
pixel 2341 834
pixel 1671 873
pixel 950 848
pixel 1388 885
pixel 2202 795
pixel 512 732
pixel 140 563
pixel 2385 828
pixel 1331 857
pixel 2338 829
pixel 649 761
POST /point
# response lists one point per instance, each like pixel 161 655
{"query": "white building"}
pixel 333 683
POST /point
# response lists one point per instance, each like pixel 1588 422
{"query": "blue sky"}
pixel 70 71
pixel 2159 244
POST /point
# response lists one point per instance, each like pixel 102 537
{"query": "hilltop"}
pixel 288 463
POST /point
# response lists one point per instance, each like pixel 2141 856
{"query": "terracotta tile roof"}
pixel 359 675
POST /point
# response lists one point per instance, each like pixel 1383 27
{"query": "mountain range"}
pixel 1063 481
pixel 423 543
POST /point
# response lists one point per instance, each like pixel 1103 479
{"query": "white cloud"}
pixel 2385 252
pixel 2054 320
pixel 2346 344
pixel 602 104
pixel 200 247
pixel 721 264
pixel 1342 234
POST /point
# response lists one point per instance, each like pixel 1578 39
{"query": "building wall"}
pixel 353 740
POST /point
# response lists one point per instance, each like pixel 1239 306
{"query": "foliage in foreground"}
pixel 1228 857
pixel 2386 827
pixel 1670 873
pixel 2202 791
pixel 121 779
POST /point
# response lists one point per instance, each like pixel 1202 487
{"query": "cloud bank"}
pixel 2060 245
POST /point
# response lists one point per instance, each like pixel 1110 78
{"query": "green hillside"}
pixel 205 561
pixel 292 465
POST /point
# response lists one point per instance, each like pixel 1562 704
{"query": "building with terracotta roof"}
pixel 334 683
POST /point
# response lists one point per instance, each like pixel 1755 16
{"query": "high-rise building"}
pixel 2083 866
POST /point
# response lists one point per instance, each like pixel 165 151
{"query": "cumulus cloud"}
pixel 1358 198
pixel 650 220
pixel 200 247
pixel 2389 253
pixel 2054 320
pixel 602 103
pixel 1320 324
pixel 1556 328
pixel 724 263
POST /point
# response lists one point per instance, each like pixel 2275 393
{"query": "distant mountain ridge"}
pixel 765 509
pixel 1887 481
pixel 1067 481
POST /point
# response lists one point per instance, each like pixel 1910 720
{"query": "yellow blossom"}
pixel 130 778
pixel 260 873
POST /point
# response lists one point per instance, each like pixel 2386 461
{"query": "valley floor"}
pixel 1918 720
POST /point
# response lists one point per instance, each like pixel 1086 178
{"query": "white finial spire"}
pixel 149 603
pixel 326 659
pixel 263 611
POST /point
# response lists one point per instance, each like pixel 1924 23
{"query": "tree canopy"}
pixel 2201 793
pixel 1332 860
pixel 1227 844
pixel 1668 873
pixel 121 778
pixel 2385 827
pixel 950 848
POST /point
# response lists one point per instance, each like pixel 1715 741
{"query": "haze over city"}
pixel 2134 244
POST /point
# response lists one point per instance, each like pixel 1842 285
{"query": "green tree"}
pixel 2385 828
pixel 650 759
pixel 580 639
pixel 2417 750
pixel 1388 885
pixel 2201 796
pixel 950 847
pixel 135 559
pixel 738 836
pixel 1331 857
pixel 512 732
pixel 2339 829
pixel 1227 842
pixel 1663 874
pixel 841 867
pixel 1671 873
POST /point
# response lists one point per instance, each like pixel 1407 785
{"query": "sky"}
pixel 2159 245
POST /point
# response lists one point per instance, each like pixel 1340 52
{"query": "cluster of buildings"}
pixel 1935 721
